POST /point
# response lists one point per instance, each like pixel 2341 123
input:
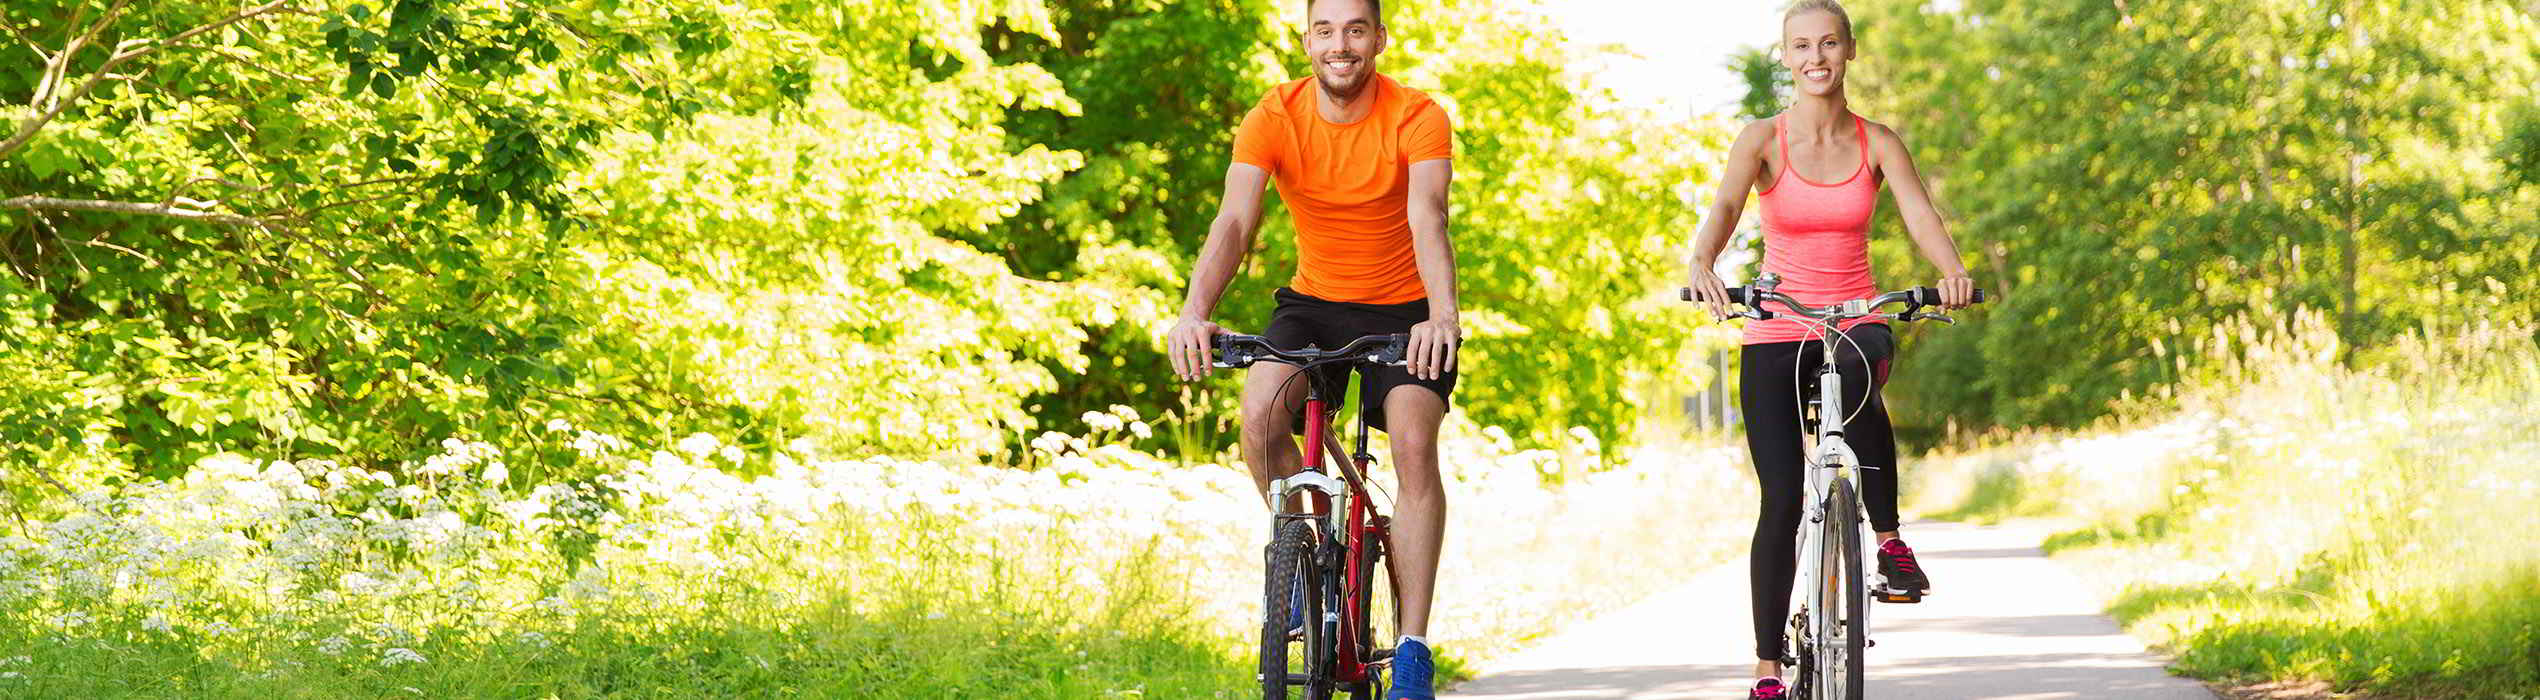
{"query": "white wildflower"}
pixel 536 640
pixel 1051 441
pixel 155 623
pixel 398 656
pixel 73 618
pixel 335 645
pixel 699 444
pixel 524 512
pixel 558 425
pixel 555 605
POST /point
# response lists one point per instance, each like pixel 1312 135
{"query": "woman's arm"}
pixel 1736 181
pixel 1922 219
pixel 1746 162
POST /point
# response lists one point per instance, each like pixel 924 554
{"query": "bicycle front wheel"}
pixel 1383 619
pixel 1842 599
pixel 1290 599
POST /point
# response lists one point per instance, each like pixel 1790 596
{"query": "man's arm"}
pixel 1229 240
pixel 1433 342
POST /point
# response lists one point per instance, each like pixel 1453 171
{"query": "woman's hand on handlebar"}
pixel 1709 290
pixel 1957 292
pixel 1189 345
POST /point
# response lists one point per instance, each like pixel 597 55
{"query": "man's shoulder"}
pixel 1412 98
pixel 1281 102
pixel 1413 102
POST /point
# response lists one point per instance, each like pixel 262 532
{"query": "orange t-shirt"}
pixel 1348 186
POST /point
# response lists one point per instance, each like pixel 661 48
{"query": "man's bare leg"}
pixel 1270 405
pixel 1412 416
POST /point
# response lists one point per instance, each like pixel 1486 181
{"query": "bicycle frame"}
pixel 1350 524
pixel 1832 459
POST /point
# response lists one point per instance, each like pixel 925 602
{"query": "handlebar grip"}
pixel 1927 296
pixel 1737 295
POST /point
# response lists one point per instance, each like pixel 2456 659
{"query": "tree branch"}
pixel 248 62
pixel 21 34
pixel 59 66
pixel 124 52
pixel 171 208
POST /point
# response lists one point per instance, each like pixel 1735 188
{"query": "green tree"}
pixel 2130 173
pixel 355 228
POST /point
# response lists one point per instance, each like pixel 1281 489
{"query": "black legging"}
pixel 1772 405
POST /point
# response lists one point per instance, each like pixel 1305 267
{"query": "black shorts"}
pixel 1302 320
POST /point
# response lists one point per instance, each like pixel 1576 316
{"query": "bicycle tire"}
pixel 1289 564
pixel 1844 599
pixel 1384 618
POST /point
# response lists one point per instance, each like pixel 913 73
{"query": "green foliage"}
pixel 1569 215
pixel 1156 151
pixel 2123 174
pixel 353 229
pixel 2294 518
pixel 1767 83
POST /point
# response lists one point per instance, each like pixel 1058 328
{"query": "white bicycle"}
pixel 1829 626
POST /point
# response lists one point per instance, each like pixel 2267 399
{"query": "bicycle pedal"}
pixel 1890 596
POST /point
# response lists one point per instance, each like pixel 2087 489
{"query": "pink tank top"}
pixel 1816 236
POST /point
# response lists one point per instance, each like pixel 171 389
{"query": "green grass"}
pixel 1093 571
pixel 820 654
pixel 2293 519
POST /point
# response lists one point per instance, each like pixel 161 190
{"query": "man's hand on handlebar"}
pixel 1433 345
pixel 1189 344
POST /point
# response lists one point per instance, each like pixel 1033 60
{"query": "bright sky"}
pixel 1681 47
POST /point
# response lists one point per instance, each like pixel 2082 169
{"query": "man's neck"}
pixel 1356 108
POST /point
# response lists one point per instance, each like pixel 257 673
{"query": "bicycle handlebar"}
pixel 1234 350
pixel 1915 299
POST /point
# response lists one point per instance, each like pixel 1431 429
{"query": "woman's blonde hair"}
pixel 1832 7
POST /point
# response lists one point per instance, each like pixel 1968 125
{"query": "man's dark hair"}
pixel 1374 7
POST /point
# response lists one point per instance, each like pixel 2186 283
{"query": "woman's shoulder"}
pixel 1756 134
pixel 1881 136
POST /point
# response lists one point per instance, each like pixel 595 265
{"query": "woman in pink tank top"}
pixel 1817 168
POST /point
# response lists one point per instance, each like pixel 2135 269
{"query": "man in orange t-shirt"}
pixel 1363 164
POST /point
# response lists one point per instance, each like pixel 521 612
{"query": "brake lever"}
pixel 1395 354
pixel 1229 356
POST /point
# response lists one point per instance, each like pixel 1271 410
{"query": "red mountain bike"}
pixel 1322 599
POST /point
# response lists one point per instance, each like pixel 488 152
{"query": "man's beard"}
pixel 1349 92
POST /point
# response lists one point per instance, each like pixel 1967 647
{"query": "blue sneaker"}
pixel 1413 672
pixel 1296 610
